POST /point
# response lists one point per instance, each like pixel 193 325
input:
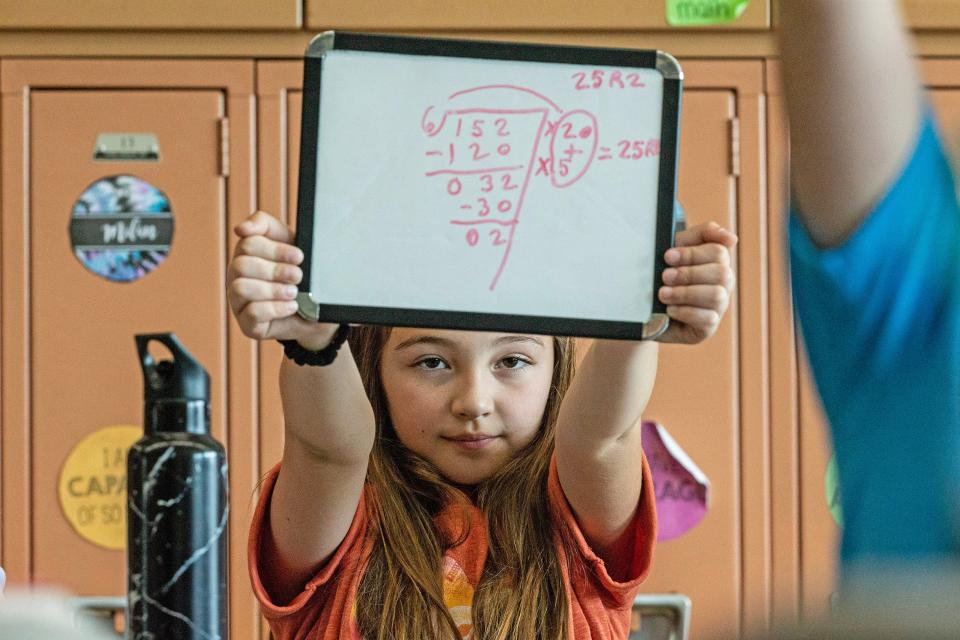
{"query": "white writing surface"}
pixel 491 186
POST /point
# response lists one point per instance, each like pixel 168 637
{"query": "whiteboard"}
pixel 486 186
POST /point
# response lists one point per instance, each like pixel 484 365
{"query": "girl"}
pixel 433 487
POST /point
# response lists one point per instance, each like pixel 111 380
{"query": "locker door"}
pixel 805 535
pixel 52 113
pixel 280 101
pixel 946 103
pixel 85 374
pixel 713 397
pixel 3 387
pixel 784 413
pixel 696 392
pixel 819 532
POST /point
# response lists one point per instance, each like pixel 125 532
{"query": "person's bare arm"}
pixel 328 421
pixel 598 444
pixel 328 437
pixel 598 437
pixel 854 106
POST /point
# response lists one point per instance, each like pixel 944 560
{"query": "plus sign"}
pixel 572 151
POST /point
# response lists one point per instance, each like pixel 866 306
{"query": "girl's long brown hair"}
pixel 521 592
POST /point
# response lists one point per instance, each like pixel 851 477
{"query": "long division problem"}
pixel 486 157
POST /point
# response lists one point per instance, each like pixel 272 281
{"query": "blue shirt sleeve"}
pixel 880 316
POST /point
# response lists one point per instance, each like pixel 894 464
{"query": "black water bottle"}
pixel 177 505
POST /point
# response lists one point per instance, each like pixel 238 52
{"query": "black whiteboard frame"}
pixel 406 317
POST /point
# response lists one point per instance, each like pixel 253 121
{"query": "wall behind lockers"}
pixel 217 86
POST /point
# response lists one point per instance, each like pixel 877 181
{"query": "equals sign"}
pixel 604 154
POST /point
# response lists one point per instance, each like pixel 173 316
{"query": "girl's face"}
pixel 466 401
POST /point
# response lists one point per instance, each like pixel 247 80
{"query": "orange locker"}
pixel 700 391
pixel 784 416
pixel 3 387
pixel 711 397
pixel 819 532
pixel 945 96
pixel 805 534
pixel 140 14
pixel 279 100
pixel 122 178
pixel 535 15
pixel 932 14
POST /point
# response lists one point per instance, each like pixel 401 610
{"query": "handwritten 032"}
pixel 485 157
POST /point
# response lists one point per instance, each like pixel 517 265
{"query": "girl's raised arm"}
pixel 598 444
pixel 328 421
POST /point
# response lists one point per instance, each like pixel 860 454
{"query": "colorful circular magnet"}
pixel 121 228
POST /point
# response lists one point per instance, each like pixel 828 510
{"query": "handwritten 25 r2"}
pixel 599 79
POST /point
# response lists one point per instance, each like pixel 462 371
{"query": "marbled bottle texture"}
pixel 177 538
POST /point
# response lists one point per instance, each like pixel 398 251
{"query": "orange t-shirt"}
pixel 599 606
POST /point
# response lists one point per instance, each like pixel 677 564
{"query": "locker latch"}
pixel 735 147
pixel 224 125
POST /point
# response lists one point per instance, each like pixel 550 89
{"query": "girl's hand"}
pixel 261 284
pixel 698 283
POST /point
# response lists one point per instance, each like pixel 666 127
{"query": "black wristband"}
pixel 296 352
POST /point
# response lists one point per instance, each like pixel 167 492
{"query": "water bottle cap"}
pixel 182 378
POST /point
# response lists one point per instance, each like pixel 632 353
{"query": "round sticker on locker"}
pixel 121 228
pixel 93 485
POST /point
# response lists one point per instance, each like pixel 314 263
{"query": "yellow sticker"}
pixel 93 485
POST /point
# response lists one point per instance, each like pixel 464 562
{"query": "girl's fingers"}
pixel 256 319
pixel 703 296
pixel 242 291
pixel 260 246
pixel 711 273
pixel 264 224
pixel 698 282
pixel 245 266
pixel 698 254
pixel 704 233
pixel 703 322
pixel 713 232
pixel 693 235
pixel 721 236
